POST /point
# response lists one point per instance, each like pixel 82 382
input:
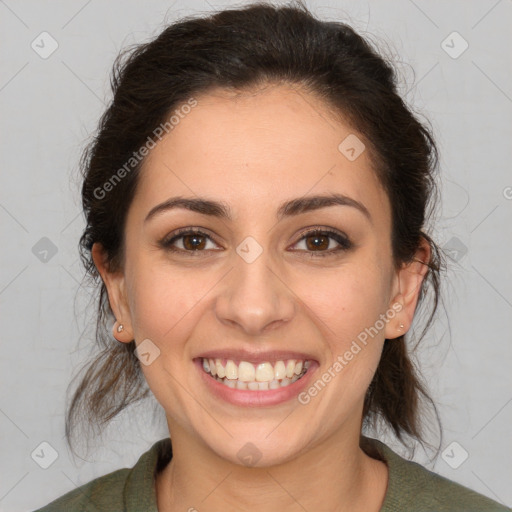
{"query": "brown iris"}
pixel 195 244
pixel 316 238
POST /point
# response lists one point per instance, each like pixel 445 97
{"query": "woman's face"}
pixel 254 287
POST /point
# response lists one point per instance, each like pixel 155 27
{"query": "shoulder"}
pixel 102 493
pixel 436 493
pixel 126 489
pixel 414 488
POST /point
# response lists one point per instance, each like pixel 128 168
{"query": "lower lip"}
pixel 249 398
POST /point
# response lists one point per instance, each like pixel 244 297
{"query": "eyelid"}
pixel 341 238
pixel 165 242
pixel 318 228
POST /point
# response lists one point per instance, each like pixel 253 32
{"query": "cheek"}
pixel 163 302
pixel 165 307
pixel 345 301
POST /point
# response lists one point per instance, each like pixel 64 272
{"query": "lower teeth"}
pixel 258 386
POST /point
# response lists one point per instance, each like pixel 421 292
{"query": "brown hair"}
pixel 238 49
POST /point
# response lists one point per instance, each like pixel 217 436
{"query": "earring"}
pixel 120 328
pixel 400 327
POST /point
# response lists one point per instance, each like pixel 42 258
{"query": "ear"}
pixel 406 290
pixel 115 284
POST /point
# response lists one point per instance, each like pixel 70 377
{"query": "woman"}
pixel 257 200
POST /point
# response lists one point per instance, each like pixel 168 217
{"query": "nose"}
pixel 254 297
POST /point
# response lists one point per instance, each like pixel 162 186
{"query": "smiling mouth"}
pixel 255 377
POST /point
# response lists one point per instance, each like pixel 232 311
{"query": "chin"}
pixel 254 447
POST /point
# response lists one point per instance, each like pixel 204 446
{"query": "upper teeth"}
pixel 262 372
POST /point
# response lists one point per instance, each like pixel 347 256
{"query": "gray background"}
pixel 50 106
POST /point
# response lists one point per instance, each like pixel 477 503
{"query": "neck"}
pixel 198 479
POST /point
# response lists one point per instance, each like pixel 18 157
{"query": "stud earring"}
pixel 401 326
pixel 120 328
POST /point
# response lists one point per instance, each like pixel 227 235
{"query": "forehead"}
pixel 256 149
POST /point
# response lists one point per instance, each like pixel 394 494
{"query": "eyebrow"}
pixel 221 210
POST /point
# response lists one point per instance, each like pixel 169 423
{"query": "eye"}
pixel 191 241
pixel 318 242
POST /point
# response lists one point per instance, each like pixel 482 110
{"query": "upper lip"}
pixel 255 357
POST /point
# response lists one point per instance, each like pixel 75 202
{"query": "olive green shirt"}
pixel 411 487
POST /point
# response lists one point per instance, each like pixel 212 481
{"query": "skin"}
pixel 253 152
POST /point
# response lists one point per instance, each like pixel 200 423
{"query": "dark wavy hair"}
pixel 239 49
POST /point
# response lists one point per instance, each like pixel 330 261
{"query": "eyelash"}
pixel 343 241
